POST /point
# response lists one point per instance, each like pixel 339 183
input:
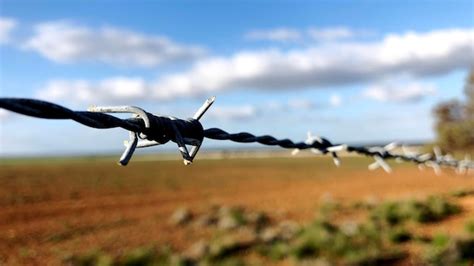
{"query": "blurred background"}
pixel 357 72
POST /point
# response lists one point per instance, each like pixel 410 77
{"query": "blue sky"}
pixel 352 71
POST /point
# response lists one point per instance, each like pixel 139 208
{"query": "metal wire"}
pixel 163 129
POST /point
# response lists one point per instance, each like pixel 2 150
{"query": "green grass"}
pixel 141 256
pixel 364 244
pixel 462 192
pixel 446 250
pixel 376 240
pixel 433 209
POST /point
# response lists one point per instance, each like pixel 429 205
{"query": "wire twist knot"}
pixel 147 129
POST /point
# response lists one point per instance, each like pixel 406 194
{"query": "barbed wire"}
pixel 146 129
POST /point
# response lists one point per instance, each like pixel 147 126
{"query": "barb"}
pixel 155 130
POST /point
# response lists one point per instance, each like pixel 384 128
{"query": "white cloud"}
pixel 285 34
pixel 278 34
pixel 401 93
pixel 65 42
pixel 251 111
pixel 303 104
pixel 233 112
pixel 111 90
pixel 335 100
pixel 4 114
pixel 330 34
pixel 412 54
pixel 6 27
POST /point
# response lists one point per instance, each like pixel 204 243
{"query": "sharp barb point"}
pixel 156 130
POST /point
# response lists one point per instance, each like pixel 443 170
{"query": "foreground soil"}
pixel 49 210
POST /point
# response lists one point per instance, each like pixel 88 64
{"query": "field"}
pixel 55 212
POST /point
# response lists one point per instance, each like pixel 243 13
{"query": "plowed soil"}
pixel 49 210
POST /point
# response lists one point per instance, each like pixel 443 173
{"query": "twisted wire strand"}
pixel 161 132
pixel 47 110
pixel 245 137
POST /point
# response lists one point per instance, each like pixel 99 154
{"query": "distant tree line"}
pixel 455 120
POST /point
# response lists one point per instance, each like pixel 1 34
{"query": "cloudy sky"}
pixel 358 72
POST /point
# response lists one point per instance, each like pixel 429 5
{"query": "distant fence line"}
pixel 146 129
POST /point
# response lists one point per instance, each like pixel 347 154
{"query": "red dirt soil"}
pixel 50 210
